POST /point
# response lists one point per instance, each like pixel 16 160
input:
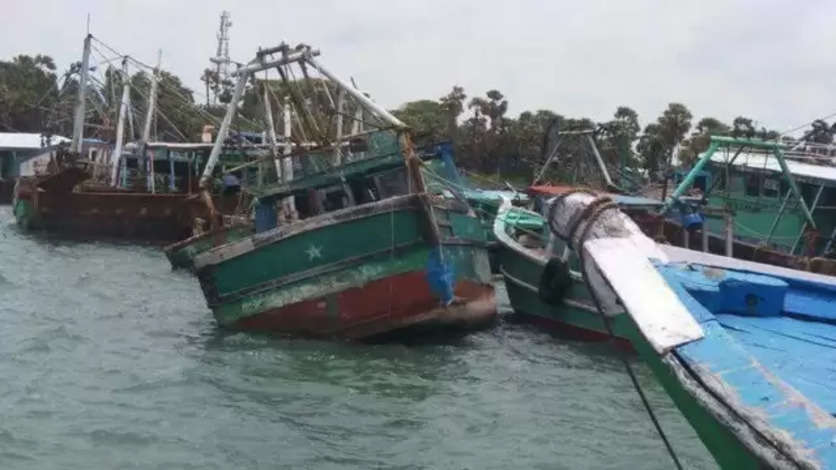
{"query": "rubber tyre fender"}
pixel 555 281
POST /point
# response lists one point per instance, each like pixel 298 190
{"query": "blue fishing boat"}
pixel 747 351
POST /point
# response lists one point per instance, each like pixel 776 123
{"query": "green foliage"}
pixel 660 139
pixel 820 132
pixel 700 139
pixel 426 118
pixel 27 92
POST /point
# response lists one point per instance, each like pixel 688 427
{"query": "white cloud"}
pixel 768 60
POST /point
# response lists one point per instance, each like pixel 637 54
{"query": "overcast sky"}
pixel 769 60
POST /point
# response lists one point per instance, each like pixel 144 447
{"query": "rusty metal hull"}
pixel 52 206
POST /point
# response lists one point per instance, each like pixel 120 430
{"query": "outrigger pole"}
pixel 719 141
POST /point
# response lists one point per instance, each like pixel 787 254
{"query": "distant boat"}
pixel 66 198
pixel 745 350
pixel 779 201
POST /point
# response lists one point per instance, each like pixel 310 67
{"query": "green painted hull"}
pixel 328 275
pixel 575 314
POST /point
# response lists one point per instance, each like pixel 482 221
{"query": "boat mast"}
pixel 78 121
pixel 120 125
pixel 271 130
pixel 287 171
pixel 149 116
pixel 221 59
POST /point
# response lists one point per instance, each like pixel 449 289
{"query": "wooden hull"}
pixel 399 302
pixel 575 317
pixel 354 273
pixel 736 437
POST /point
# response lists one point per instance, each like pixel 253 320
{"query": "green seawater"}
pixel 109 359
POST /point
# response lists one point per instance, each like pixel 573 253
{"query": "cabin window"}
pixel 752 184
pixel 364 190
pixel 771 187
pixel 334 198
pixel 392 183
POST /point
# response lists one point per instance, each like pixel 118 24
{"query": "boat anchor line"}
pixel 615 257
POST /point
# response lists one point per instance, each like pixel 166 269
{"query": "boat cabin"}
pixel 765 211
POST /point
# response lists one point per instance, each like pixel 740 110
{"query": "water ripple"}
pixel 111 360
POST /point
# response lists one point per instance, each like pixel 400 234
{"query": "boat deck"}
pixel 774 368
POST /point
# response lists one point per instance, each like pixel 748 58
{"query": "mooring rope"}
pixel 596 213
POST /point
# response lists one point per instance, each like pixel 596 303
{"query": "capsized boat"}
pixel 368 252
pixel 745 350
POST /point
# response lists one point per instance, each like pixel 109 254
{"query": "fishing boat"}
pixel 541 288
pixel 439 167
pixel 773 201
pixel 745 350
pixel 140 191
pixel 67 198
pixel 350 242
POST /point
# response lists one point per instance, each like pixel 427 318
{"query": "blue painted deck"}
pixel 777 366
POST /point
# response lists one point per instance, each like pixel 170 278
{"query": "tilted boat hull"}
pixel 399 301
pixel 355 273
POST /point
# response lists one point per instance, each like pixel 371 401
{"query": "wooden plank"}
pixel 657 311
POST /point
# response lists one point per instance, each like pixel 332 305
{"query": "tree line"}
pixel 34 98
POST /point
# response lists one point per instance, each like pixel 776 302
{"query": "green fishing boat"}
pixel 542 275
pixel 777 202
pixel 349 242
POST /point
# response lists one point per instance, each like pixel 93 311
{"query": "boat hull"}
pixel 159 218
pixel 359 273
pixel 574 316
pixel 401 301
